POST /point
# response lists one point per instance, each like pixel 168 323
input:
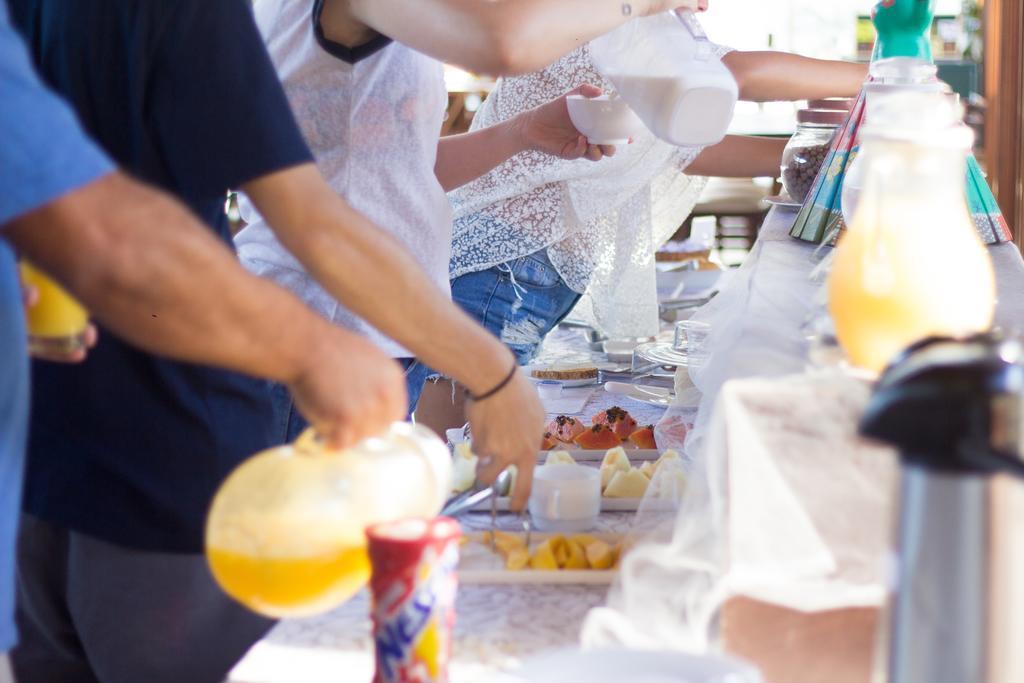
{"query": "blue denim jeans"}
pixel 519 302
pixel 289 423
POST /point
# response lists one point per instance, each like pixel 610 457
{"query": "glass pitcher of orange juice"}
pixel 911 264
pixel 285 535
pixel 57 322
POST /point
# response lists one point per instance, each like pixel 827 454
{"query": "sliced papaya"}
pixel 644 438
pixel 598 437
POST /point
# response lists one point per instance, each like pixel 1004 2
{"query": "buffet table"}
pixel 763 307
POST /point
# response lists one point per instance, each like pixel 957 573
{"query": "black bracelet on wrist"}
pixel 501 385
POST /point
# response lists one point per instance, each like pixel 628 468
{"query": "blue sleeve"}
pixel 43 151
pixel 221 104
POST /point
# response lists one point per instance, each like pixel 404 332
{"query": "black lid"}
pixel 953 405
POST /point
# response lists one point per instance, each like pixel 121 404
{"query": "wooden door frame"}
pixel 1004 89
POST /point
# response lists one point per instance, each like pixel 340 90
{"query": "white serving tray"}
pixel 607 505
pixel 479 565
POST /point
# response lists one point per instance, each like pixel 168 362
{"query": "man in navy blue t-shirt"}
pixel 67 209
pixel 126 450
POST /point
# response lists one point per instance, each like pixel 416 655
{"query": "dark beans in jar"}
pixel 804 164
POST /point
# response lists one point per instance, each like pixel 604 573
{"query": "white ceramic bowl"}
pixel 604 120
pixel 565 498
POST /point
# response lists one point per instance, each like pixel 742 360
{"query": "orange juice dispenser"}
pixel 911 265
pixel 285 535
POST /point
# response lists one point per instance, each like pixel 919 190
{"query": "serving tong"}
pixel 465 502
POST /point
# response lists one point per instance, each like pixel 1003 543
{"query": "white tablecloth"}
pixel 496 627
pixel 763 306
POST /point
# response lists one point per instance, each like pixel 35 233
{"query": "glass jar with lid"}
pixel 808 149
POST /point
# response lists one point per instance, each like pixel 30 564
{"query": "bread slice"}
pixel 680 256
pixel 565 372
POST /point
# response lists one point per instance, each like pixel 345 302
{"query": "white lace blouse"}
pixel 600 222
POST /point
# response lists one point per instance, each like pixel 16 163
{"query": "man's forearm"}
pixel 499 36
pixel 739 156
pixel 375 276
pixel 152 274
pixel 770 76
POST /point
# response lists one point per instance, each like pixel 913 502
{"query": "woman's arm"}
pixel 503 36
pixel 547 128
pixel 770 76
pixel 738 156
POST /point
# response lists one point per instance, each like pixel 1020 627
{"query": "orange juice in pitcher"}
pixel 57 322
pixel 911 264
pixel 286 534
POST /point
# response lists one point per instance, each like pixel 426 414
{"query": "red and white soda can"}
pixel 413 584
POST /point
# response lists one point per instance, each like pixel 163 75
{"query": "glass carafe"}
pixel 286 532
pixel 57 323
pixel 911 264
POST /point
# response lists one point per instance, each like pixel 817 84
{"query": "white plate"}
pixel 478 564
pixel 654 396
pixel 568 383
pixel 782 200
pixel 580 455
pixel 660 353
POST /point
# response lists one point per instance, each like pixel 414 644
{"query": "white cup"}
pixel 565 498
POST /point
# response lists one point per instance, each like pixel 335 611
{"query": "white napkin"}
pixel 571 401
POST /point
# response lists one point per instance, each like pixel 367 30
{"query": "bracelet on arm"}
pixel 501 385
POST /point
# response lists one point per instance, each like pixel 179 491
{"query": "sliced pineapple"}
pixel 544 557
pixel 600 555
pixel 518 558
pixel 507 543
pixel 577 556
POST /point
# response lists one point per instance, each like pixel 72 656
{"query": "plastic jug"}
pixel 667 71
pixel 285 533
pixel 888 77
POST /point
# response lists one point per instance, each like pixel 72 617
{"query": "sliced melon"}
pixel 631 484
pixel 559 458
pixel 615 461
pixel 463 468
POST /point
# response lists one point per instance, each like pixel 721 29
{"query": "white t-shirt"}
pixel 373 126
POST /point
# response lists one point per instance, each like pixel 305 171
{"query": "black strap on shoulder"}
pixel 342 52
